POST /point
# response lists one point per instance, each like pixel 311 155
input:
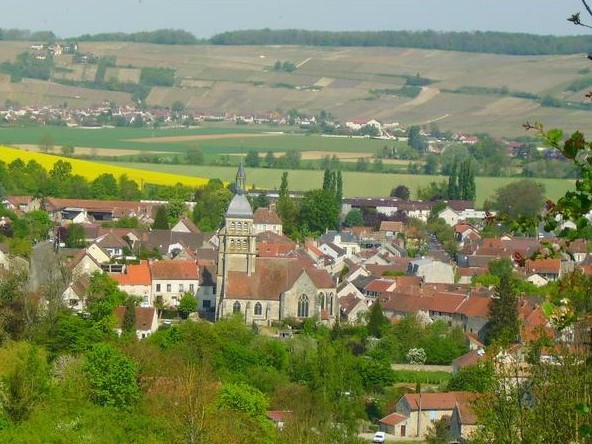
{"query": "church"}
pixel 266 289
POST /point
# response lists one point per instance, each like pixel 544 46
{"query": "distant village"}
pixel 249 267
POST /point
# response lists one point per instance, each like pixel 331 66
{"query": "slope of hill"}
pixel 470 92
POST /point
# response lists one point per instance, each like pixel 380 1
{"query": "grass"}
pixel 423 377
pixel 355 184
pixel 91 170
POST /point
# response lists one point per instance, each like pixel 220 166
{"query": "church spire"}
pixel 241 179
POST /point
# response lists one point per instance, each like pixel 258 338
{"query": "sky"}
pixel 204 18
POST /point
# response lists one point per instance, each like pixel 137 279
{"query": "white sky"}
pixel 204 18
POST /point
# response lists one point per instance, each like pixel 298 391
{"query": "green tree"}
pixel 112 377
pixel 128 189
pixel 319 211
pixel 475 378
pixel 161 220
pixel 27 384
pixel 286 207
pixel 103 295
pixel 415 139
pixel 75 236
pixel 46 143
pixel 129 317
pixel 105 187
pixel 401 192
pixel 354 219
pixel 68 150
pixel 504 326
pixel 523 198
pixel 377 321
pixel 252 159
pixel 187 305
pixel 194 156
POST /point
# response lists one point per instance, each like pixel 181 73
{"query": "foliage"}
pixel 416 356
pixel 27 384
pixel 354 219
pixel 103 296
pixel 401 192
pixel 377 321
pixel 504 326
pixel 475 378
pixel 211 204
pixel 112 377
pixel 75 237
pixel 523 198
pixel 439 431
pixel 187 305
pixel 157 76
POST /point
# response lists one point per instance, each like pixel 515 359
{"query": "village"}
pixel 248 268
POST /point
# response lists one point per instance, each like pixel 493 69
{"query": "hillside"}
pixel 470 92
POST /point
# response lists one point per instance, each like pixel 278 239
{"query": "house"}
pixel 463 422
pixel 185 225
pixel 146 321
pixel 395 424
pixel 549 269
pixel 171 279
pixel 352 308
pixel 74 296
pixel 266 219
pixel 88 260
pixel 469 359
pixel 449 216
pixel 113 245
pixel 136 281
pixel 431 271
pixel 279 417
pixel 345 240
pixel 421 410
pixel 206 293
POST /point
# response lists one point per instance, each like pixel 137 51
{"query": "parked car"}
pixel 379 437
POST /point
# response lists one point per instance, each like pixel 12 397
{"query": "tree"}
pixel 319 211
pixel 75 236
pixel 523 198
pixel 27 384
pixel 354 219
pixel 286 207
pixel 129 316
pixel 252 159
pixel 401 192
pixel 105 187
pixel 377 321
pixel 270 160
pixel 46 143
pixel 504 325
pixel 68 150
pixel 103 296
pixel 194 156
pixel 112 377
pixel 415 139
pixel 161 220
pixel 478 378
pixel 187 305
pixel 439 431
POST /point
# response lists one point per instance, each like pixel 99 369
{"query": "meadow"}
pixel 355 184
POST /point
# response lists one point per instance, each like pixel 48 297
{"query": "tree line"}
pixel 476 41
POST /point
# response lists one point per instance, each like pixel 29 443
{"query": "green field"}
pixel 355 184
pixel 124 138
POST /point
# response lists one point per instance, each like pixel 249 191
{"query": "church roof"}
pixel 240 207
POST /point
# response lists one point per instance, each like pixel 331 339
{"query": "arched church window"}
pixel 258 309
pixel 232 244
pixel 232 226
pixel 245 227
pixel 303 306
pixel 239 226
pixel 322 300
pixel 236 308
pixel 330 303
pixel 244 244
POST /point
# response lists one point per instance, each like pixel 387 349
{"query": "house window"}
pixel 207 303
pixel 303 306
pixel 191 288
pixel 322 300
pixel 169 287
pixel 403 430
pixel 181 288
pixel 157 287
pixel 236 308
pixel 258 309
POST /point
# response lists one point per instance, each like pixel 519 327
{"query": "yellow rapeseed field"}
pixel 91 170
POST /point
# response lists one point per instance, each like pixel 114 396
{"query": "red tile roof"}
pixel 266 216
pixel 468 359
pixel 435 401
pixel 393 419
pixel 144 317
pixel 174 270
pixel 551 266
pixel 134 275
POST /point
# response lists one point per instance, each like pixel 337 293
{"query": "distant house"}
pixel 74 296
pixel 266 219
pixel 416 412
pixel 171 279
pixel 136 281
pixel 431 271
pixel 463 422
pixel 146 321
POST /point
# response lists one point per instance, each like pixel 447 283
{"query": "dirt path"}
pixel 424 96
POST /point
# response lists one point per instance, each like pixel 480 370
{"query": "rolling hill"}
pixel 470 92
